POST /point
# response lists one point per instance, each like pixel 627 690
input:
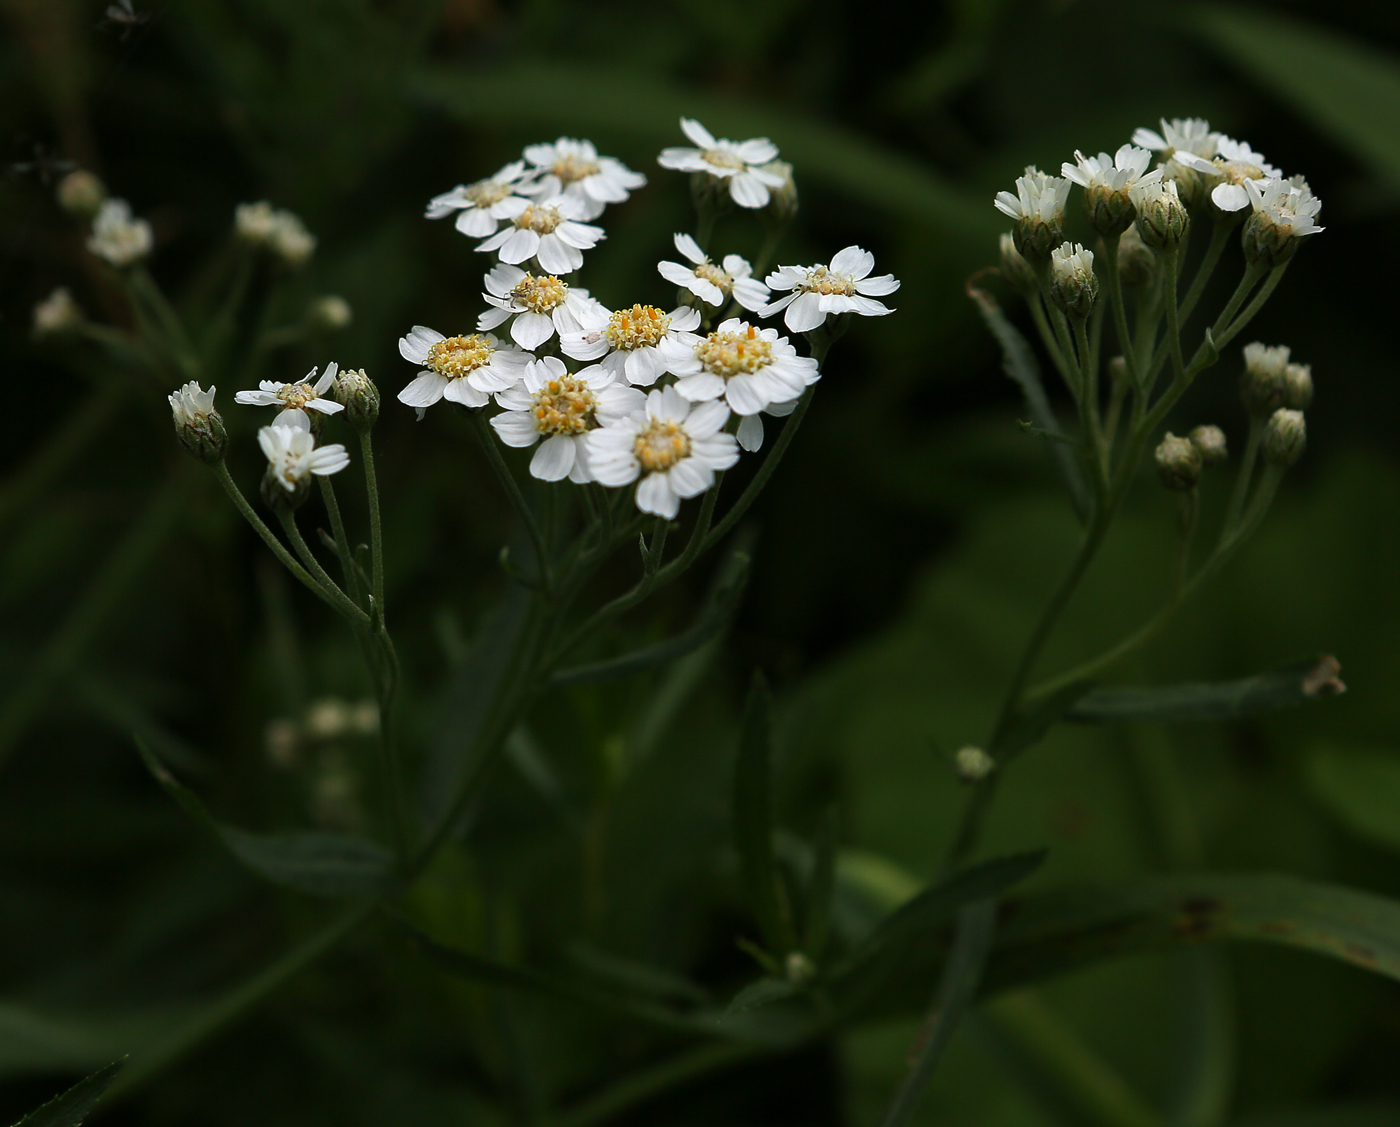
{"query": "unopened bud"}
pixel 1072 282
pixel 1015 269
pixel 330 313
pixel 782 202
pixel 1209 442
pixel 1117 370
pixel 1136 261
pixel 1297 387
pixel 198 425
pixel 57 314
pixel 1265 380
pixel 1285 436
pixel 81 193
pixel 1162 220
pixel 799 967
pixel 1110 210
pixel 973 764
pixel 1190 186
pixel 356 392
pixel 1178 463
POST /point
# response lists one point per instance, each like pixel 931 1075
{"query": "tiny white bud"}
pixel 330 313
pixel 198 425
pixel 1285 436
pixel 1297 387
pixel 57 314
pixel 1265 380
pixel 1209 441
pixel 1072 282
pixel 1136 261
pixel 81 193
pixel 1178 463
pixel 1162 220
pixel 973 764
pixel 1015 269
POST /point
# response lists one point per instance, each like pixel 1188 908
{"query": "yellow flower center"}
pixel 541 220
pixel 571 168
pixel 661 445
pixel 723 158
pixel 459 356
pixel 712 273
pixel 564 406
pixel 540 295
pixel 638 327
pixel 1237 172
pixel 821 280
pixel 731 354
pixel 484 193
pixel 296 395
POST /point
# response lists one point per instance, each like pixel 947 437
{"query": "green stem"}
pixel 1120 307
pixel 342 545
pixel 489 445
pixel 1173 266
pixel 1047 338
pixel 1243 476
pixel 278 548
pixel 376 528
pixel 1265 291
pixel 632 1090
pixel 1219 235
pixel 1190 512
pixel 145 290
pixel 331 592
pixel 1094 447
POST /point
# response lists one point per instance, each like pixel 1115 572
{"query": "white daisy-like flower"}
pixel 714 284
pixel 541 306
pixel 1283 212
pixel 750 368
pixel 573 168
pixel 190 405
pixel 1190 135
pixel 627 344
pixel 549 230
pixel 57 314
pixel 294 398
pixel 281 232
pixel 480 204
pixel 1117 173
pixel 117 237
pixel 292 456
pixel 675 446
pixel 843 287
pixel 462 369
pixel 1039 197
pixel 1234 164
pixel 737 162
pixel 562 409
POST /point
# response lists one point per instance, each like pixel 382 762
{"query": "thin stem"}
pixel 376 528
pixel 1047 338
pixel 144 289
pixel 512 487
pixel 1243 476
pixel 1120 308
pixel 342 545
pixel 1173 266
pixel 1094 446
pixel 1186 532
pixel 1219 235
pixel 1265 291
pixel 333 594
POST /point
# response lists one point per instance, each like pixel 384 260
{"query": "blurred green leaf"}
pixel 321 864
pixel 1027 726
pixel 1350 90
pixel 760 993
pixel 753 821
pixel 1361 786
pixel 1292 685
pixel 73 1106
pixel 821 891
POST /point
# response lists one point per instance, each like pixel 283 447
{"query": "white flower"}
pixel 541 306
pixel 1266 362
pixel 117 237
pixel 253 222
pixel 628 341
pixel 1286 204
pixel 574 168
pixel 190 405
pixel 842 287
pixel 1118 173
pixel 1235 163
pixel 1191 135
pixel 58 313
pixel 548 230
pixel 292 456
pixel 562 409
pixel 673 445
pixel 1039 198
pixel 277 229
pixel 735 161
pixel 294 398
pixel 714 284
pixel 481 203
pixel 751 369
pixel 461 369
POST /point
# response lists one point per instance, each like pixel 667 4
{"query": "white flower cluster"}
pixel 278 230
pixel 117 237
pixel 637 394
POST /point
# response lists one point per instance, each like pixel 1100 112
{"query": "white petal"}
pixel 878 286
pixel 426 390
pixel 654 495
pixel 1229 197
pixel 530 330
pixel 554 459
pixel 759 150
pixel 804 314
pixel 748 190
pixel 325 406
pixel 462 391
pixel 515 428
pixel 701 387
pixel 520 244
pixel 750 433
pixel 676 274
pixel 476 223
pixel 706 418
pixel 697 133
pixel 643 365
pixel 854 262
pixel 557 256
pixel 689 248
pixel 689 477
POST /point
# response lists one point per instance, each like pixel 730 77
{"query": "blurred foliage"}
pixel 898 559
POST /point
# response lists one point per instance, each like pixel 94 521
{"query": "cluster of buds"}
pixel 1271 380
pixel 274 229
pixel 1180 460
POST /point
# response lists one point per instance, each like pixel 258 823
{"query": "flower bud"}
pixel 1285 436
pixel 198 426
pixel 1162 219
pixel 1297 387
pixel 1178 463
pixel 799 967
pixel 1136 261
pixel 56 315
pixel 280 497
pixel 330 313
pixel 1072 282
pixel 1110 210
pixel 1015 269
pixel 356 392
pixel 1190 185
pixel 782 202
pixel 1209 442
pixel 81 193
pixel 973 764
pixel 1117 370
pixel 1265 381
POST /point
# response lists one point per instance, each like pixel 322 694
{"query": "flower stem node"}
pixel 81 193
pixel 1285 437
pixel 1019 273
pixel 198 426
pixel 1136 263
pixel 1264 385
pixel 1178 463
pixel 1073 285
pixel 1162 219
pixel 973 764
pixel 356 392
pixel 1209 442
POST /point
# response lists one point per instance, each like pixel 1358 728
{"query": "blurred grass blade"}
pixel 1203 1092
pixel 1018 361
pixel 643 978
pixel 761 993
pixel 821 892
pixel 321 864
pixel 1347 88
pixel 73 1106
pixel 753 822
pixel 1295 684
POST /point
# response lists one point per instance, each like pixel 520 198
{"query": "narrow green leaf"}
pixel 761 993
pixel 73 1106
pixel 1292 685
pixel 1026 728
pixel 1361 786
pixel 816 918
pixel 753 822
pixel 613 971
pixel 321 864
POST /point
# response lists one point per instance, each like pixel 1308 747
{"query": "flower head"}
pixel 198 426
pixel 56 314
pixel 276 229
pixel 627 342
pixel 1264 385
pixel 479 205
pixel 292 457
pixel 1236 163
pixel 295 399
pixel 1072 281
pixel 549 230
pixel 739 164
pixel 845 286
pixel 117 237
pixel 1186 147
pixel 713 284
pixel 1284 212
pixel 574 168
pixel 1162 219
pixel 673 445
pixel 541 306
pixel 1039 210
pixel 461 369
pixel 1107 181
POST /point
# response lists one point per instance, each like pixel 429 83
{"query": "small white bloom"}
pixel 190 405
pixel 1265 361
pixel 480 203
pixel 1190 135
pixel 750 368
pixel 548 230
pixel 1118 173
pixel 277 229
pixel 627 342
pixel 562 409
pixel 294 398
pixel 843 287
pixel 738 162
pixel 1234 164
pixel 1072 282
pixel 541 306
pixel 1287 204
pixel 117 237
pixel 1039 197
pixel 254 222
pixel 461 369
pixel 675 446
pixel 58 313
pixel 574 168
pixel 714 284
pixel 292 456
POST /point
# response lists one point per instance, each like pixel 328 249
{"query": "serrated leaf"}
pixel 74 1105
pixel 321 864
pixel 1288 687
pixel 753 822
pixel 1361 786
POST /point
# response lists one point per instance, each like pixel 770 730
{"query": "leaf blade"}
pixel 70 1108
